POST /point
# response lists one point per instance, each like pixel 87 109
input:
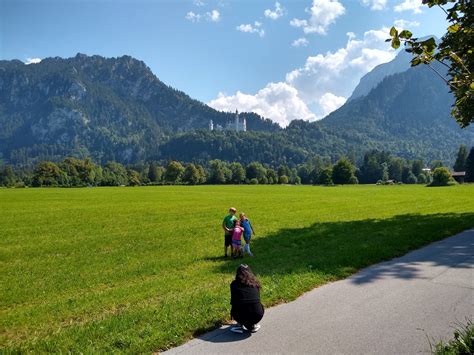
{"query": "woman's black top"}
pixel 241 294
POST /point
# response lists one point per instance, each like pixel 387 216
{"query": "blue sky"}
pixel 284 60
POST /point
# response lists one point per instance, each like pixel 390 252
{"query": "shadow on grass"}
pixel 337 250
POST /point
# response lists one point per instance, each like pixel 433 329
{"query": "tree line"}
pixel 376 167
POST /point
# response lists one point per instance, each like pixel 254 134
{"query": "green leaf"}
pixel 453 28
pixel 405 34
pixel 393 31
pixel 395 43
pixel 429 45
pixel 415 62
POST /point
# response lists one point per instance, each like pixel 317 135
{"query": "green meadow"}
pixel 141 269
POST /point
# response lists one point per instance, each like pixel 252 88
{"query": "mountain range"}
pixel 117 109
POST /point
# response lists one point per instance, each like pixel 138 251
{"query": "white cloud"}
pixel 404 24
pixel 351 35
pixel 193 17
pixel 277 101
pixel 212 16
pixel 32 61
pixel 322 14
pixel 198 3
pixel 275 14
pixel 298 23
pixel 330 102
pixel 300 42
pixel 322 83
pixel 339 72
pixel 375 4
pixel 409 5
pixel 249 28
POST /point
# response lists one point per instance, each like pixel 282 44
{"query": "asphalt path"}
pixel 395 307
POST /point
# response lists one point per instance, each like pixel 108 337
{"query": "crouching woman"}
pixel 247 309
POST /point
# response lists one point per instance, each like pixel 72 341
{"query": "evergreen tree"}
pixel 7 176
pixel 395 169
pixel 417 167
pixel 371 170
pixel 470 166
pixel 406 171
pixel 314 175
pixel 385 176
pixel 460 164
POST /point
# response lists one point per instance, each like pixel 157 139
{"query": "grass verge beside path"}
pixel 462 344
pixel 140 269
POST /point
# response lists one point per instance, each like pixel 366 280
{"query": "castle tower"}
pixel 244 125
pixel 211 125
pixel 236 120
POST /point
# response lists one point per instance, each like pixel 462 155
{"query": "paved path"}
pixel 389 308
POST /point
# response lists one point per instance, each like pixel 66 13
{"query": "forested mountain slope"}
pixel 116 109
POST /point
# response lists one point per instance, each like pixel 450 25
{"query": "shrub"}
pixel 253 181
pixel 441 177
pixel 283 179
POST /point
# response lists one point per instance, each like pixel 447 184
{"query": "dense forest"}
pixel 377 167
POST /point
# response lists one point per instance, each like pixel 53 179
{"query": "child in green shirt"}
pixel 228 226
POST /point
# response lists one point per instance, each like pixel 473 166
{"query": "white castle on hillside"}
pixel 237 125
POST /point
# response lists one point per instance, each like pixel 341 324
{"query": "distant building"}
pixel 237 125
pixel 459 176
pixel 426 170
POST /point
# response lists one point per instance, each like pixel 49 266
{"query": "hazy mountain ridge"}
pixel 399 64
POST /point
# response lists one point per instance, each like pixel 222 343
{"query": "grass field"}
pixel 140 269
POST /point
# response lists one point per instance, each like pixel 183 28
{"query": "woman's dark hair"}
pixel 246 277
